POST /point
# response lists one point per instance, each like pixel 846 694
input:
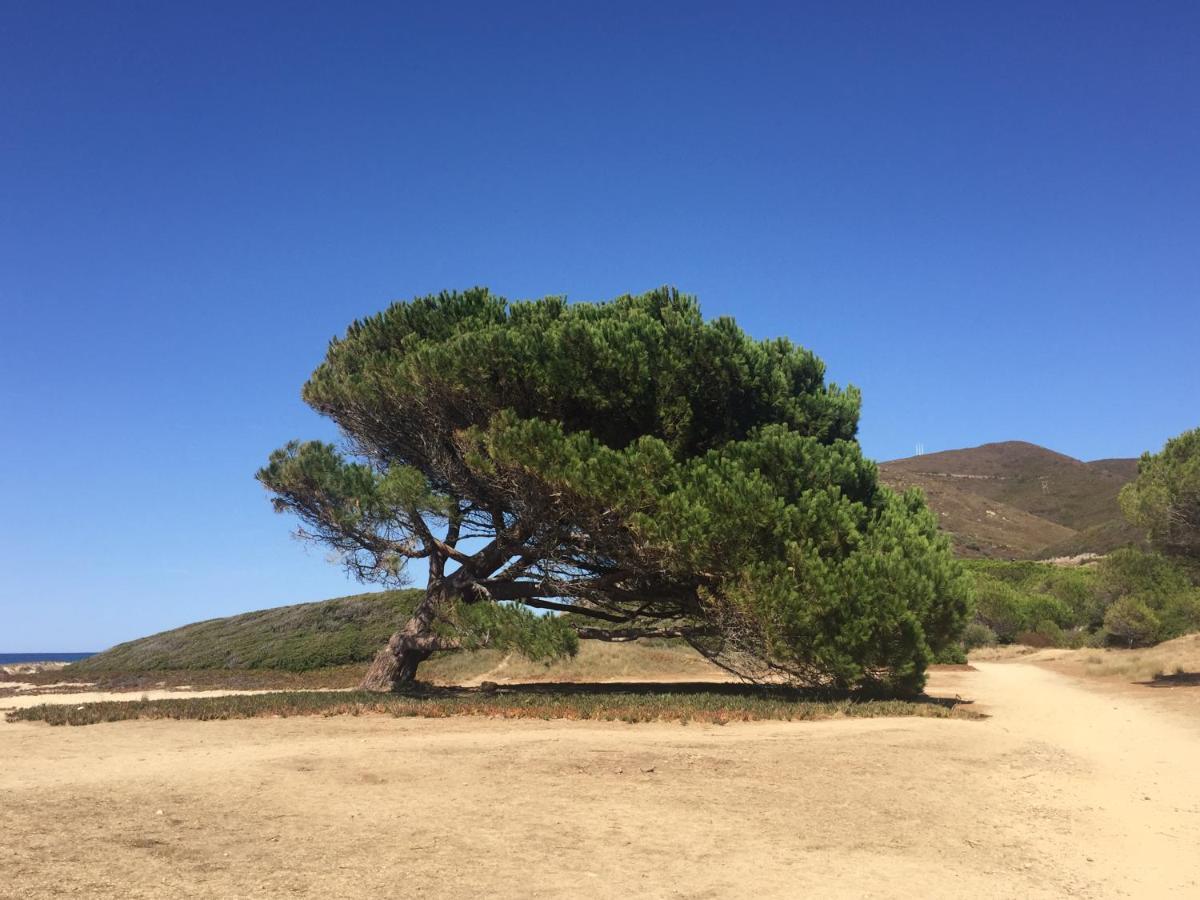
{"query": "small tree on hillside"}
pixel 631 468
pixel 1132 622
pixel 1165 496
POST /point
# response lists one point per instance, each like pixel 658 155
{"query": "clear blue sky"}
pixel 987 216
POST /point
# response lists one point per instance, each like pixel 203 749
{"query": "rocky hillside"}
pixel 1015 500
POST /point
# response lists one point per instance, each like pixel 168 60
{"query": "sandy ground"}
pixel 1065 791
pixel 16 701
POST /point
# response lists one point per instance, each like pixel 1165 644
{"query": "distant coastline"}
pixel 13 658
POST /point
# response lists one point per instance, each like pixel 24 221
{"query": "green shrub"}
pixel 1155 582
pixel 1051 633
pixel 1009 610
pixel 998 607
pixel 1047 605
pixel 1130 571
pixel 976 634
pixel 1079 638
pixel 1131 622
pixel 1178 614
pixel 951 655
pixel 1165 497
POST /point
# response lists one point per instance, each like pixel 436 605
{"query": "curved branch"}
pixel 621 635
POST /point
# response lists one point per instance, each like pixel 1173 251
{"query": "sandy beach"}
pixel 1066 790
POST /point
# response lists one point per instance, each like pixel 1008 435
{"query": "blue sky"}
pixel 985 216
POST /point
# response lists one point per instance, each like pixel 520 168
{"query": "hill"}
pixel 292 638
pixel 1016 500
pixel 348 631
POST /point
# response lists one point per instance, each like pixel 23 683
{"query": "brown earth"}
pixel 1016 500
pixel 1066 790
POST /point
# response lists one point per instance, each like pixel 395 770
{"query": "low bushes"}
pixel 1130 598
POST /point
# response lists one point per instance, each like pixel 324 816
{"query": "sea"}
pixel 11 658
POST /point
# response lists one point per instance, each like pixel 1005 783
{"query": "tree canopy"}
pixel 630 467
pixel 1165 496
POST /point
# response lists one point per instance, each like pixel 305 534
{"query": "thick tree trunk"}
pixel 396 664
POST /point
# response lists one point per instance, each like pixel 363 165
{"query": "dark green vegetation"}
pixel 1129 598
pixel 647 472
pixel 296 638
pixel 1016 500
pixel 1165 497
pixel 712 703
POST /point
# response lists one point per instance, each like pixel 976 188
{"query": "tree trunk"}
pixel 396 664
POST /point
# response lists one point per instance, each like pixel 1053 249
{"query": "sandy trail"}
pixel 1065 791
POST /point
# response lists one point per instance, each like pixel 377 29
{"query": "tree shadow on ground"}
pixel 1178 679
pixel 684 688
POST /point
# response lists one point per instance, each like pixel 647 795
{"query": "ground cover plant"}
pixel 712 703
pixel 628 465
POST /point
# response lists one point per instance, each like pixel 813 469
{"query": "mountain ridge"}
pixel 1019 500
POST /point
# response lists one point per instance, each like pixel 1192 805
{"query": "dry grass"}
pixel 1169 660
pixel 595 661
pixel 1175 661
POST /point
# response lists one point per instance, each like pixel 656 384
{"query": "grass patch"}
pixel 706 703
pixel 1147 665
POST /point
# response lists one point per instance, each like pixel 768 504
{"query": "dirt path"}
pixel 1131 767
pixel 1063 792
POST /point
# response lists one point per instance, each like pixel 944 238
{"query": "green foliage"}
pixel 1165 497
pixel 1009 610
pixel 1130 571
pixel 977 635
pixel 1157 583
pixel 1046 605
pixel 1072 590
pixel 507 627
pixel 292 638
pixel 366 517
pixel 1130 620
pixel 640 365
pixel 951 655
pixel 627 461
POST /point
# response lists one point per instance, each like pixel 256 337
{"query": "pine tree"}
pixel 629 467
pixel 1165 497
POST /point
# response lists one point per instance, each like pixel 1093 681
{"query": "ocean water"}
pixel 10 658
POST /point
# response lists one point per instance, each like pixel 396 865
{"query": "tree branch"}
pixel 621 635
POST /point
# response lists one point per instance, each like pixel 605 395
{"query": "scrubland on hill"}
pixel 1016 500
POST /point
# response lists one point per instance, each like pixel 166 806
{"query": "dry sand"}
pixel 1065 791
pixel 38 695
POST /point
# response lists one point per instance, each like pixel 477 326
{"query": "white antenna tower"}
pixel 920 449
